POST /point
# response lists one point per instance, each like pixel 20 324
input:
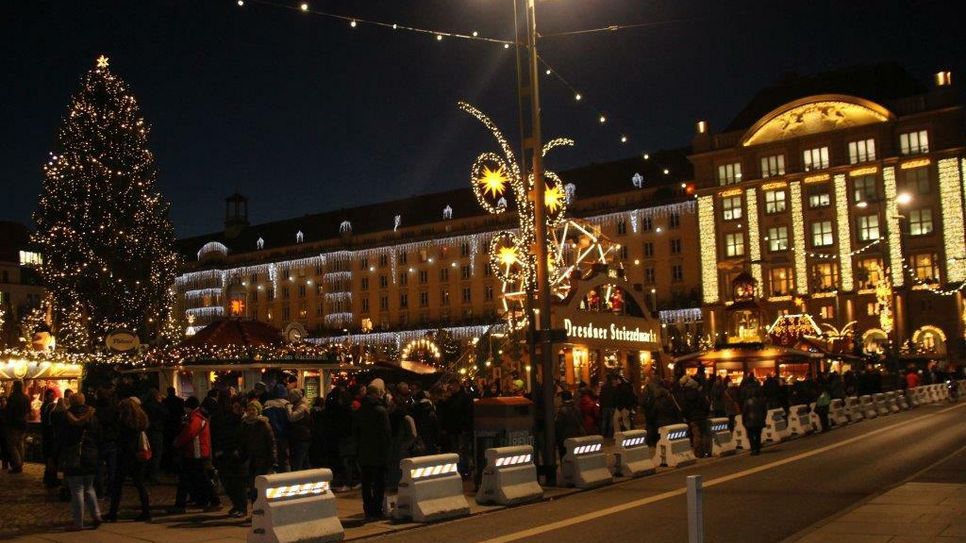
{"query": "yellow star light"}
pixel 493 181
pixel 507 256
pixel 553 198
pixel 102 61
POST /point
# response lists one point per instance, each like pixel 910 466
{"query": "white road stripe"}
pixel 537 530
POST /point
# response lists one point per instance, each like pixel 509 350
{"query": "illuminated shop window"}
pixel 926 267
pixel 825 276
pixel 735 244
pixel 731 208
pixel 780 281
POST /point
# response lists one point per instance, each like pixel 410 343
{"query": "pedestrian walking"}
pixel 607 400
pixel 731 402
pixel 48 439
pixel 568 421
pixel 300 429
pixel 174 418
pixel 15 417
pixel 157 414
pixel 373 434
pixel 78 457
pixel 194 446
pixel 226 431
pixel 132 442
pixel 256 445
pixel 695 408
pixel 276 411
pixel 822 407
pixel 754 412
pixel 106 413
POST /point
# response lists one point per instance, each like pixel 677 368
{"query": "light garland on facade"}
pixel 397 339
pixel 892 224
pixel 951 198
pixel 754 242
pixel 923 285
pixel 842 222
pixel 830 256
pixel 798 234
pixel 680 316
pixel 709 256
pixel 610 219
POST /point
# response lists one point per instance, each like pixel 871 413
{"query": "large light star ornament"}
pixel 493 181
pixel 553 198
pixel 508 256
pixel 102 61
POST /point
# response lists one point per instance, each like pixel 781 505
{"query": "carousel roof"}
pixel 234 333
pixel 748 352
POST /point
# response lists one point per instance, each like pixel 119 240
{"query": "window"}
pixel 286 313
pixel 731 207
pixel 819 197
pixel 822 233
pixel 926 266
pixel 364 284
pixel 301 291
pixel 674 220
pixel 825 276
pixel 623 252
pixel 911 143
pixel 920 221
pixel 774 201
pixel 285 293
pixel 735 244
pixel 649 276
pixel 778 238
pixel 488 293
pixel 647 224
pixel 363 264
pixel 621 227
pixel 444 274
pixel 365 305
pixel 30 258
pixel 868 227
pixel 676 246
pixel 424 299
pixel 863 189
pixel 780 281
pixel 383 281
pixel 861 151
pixel 872 308
pixel 869 272
pixel 772 165
pixel 826 312
pixel 916 180
pixel 403 279
pixel 465 272
pixel 487 271
pixel 383 260
pixel 729 174
pixel 444 297
pixel 677 273
pixel 464 249
pixel 648 250
pixel 467 295
pixel 815 159
pixel 403 300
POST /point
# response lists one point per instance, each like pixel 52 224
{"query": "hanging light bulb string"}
pixel 305 7
pixel 617 28
pixel 602 118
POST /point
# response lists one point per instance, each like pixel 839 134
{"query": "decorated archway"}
pixel 930 339
pixel 875 341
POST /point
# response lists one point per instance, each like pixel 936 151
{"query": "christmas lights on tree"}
pixel 102 225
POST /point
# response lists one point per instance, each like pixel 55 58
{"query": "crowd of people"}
pixel 219 444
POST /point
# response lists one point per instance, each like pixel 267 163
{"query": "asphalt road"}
pixel 760 499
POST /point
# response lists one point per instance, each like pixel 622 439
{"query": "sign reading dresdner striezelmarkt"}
pixel 612 332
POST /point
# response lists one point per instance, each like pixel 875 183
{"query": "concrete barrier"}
pixel 633 457
pixel 912 397
pixel 922 395
pixel 431 489
pixel 837 413
pixel 892 402
pixel 740 435
pixel 881 406
pixel 853 408
pixel 295 507
pixel 674 446
pixel 722 439
pixel 813 418
pixel 584 465
pixel 800 420
pixel 869 410
pixel 776 426
pixel 942 391
pixel 510 477
pixel 902 401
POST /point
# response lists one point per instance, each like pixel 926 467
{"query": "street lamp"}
pixel 892 212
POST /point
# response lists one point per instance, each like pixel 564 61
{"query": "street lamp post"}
pixel 892 212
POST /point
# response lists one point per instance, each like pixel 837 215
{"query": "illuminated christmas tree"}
pixel 102 225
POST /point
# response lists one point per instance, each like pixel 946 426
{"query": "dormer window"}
pixel 345 227
pixel 570 192
pixel 637 180
pixel 260 244
pixel 447 213
pixel 299 237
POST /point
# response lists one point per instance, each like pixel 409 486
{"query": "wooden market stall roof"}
pixel 750 353
pixel 234 332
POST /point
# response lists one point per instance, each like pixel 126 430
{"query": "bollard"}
pixel 674 446
pixel 295 507
pixel 633 457
pixel 584 465
pixel 776 426
pixel 853 408
pixel 695 509
pixel 510 477
pixel 722 440
pixel 740 434
pixel 836 413
pixel 868 408
pixel 431 489
pixel 892 402
pixel 800 420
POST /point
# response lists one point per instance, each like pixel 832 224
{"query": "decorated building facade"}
pixel 842 195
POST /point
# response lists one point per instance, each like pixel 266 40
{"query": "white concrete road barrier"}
pixel 813 418
pixel 776 426
pixel 740 434
pixel 510 477
pixel 868 407
pixel 892 402
pixel 837 413
pixel 431 489
pixel 922 395
pixel 800 420
pixel 295 507
pixel 912 397
pixel 633 457
pixel 584 465
pixel 674 446
pixel 722 439
pixel 902 401
pixel 881 406
pixel 853 408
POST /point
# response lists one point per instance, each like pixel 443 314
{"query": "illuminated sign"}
pixel 612 333
pixel 914 163
pixel 864 171
pixel 817 178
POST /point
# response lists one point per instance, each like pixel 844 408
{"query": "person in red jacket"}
pixel 194 446
pixel 589 411
pixel 912 379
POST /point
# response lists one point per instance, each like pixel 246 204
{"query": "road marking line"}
pixel 537 530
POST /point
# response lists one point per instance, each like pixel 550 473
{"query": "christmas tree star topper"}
pixel 102 61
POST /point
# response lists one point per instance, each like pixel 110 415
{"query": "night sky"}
pixel 304 114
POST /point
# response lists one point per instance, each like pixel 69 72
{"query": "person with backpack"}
pixel 133 453
pixel 78 457
pixel 194 444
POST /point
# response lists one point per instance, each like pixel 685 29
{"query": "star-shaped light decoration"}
pixel 508 256
pixel 493 181
pixel 102 61
pixel 553 198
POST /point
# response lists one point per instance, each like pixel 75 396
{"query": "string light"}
pixel 304 6
pixel 353 24
pixel 603 119
pixel 845 237
pixel 709 256
pixel 954 237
